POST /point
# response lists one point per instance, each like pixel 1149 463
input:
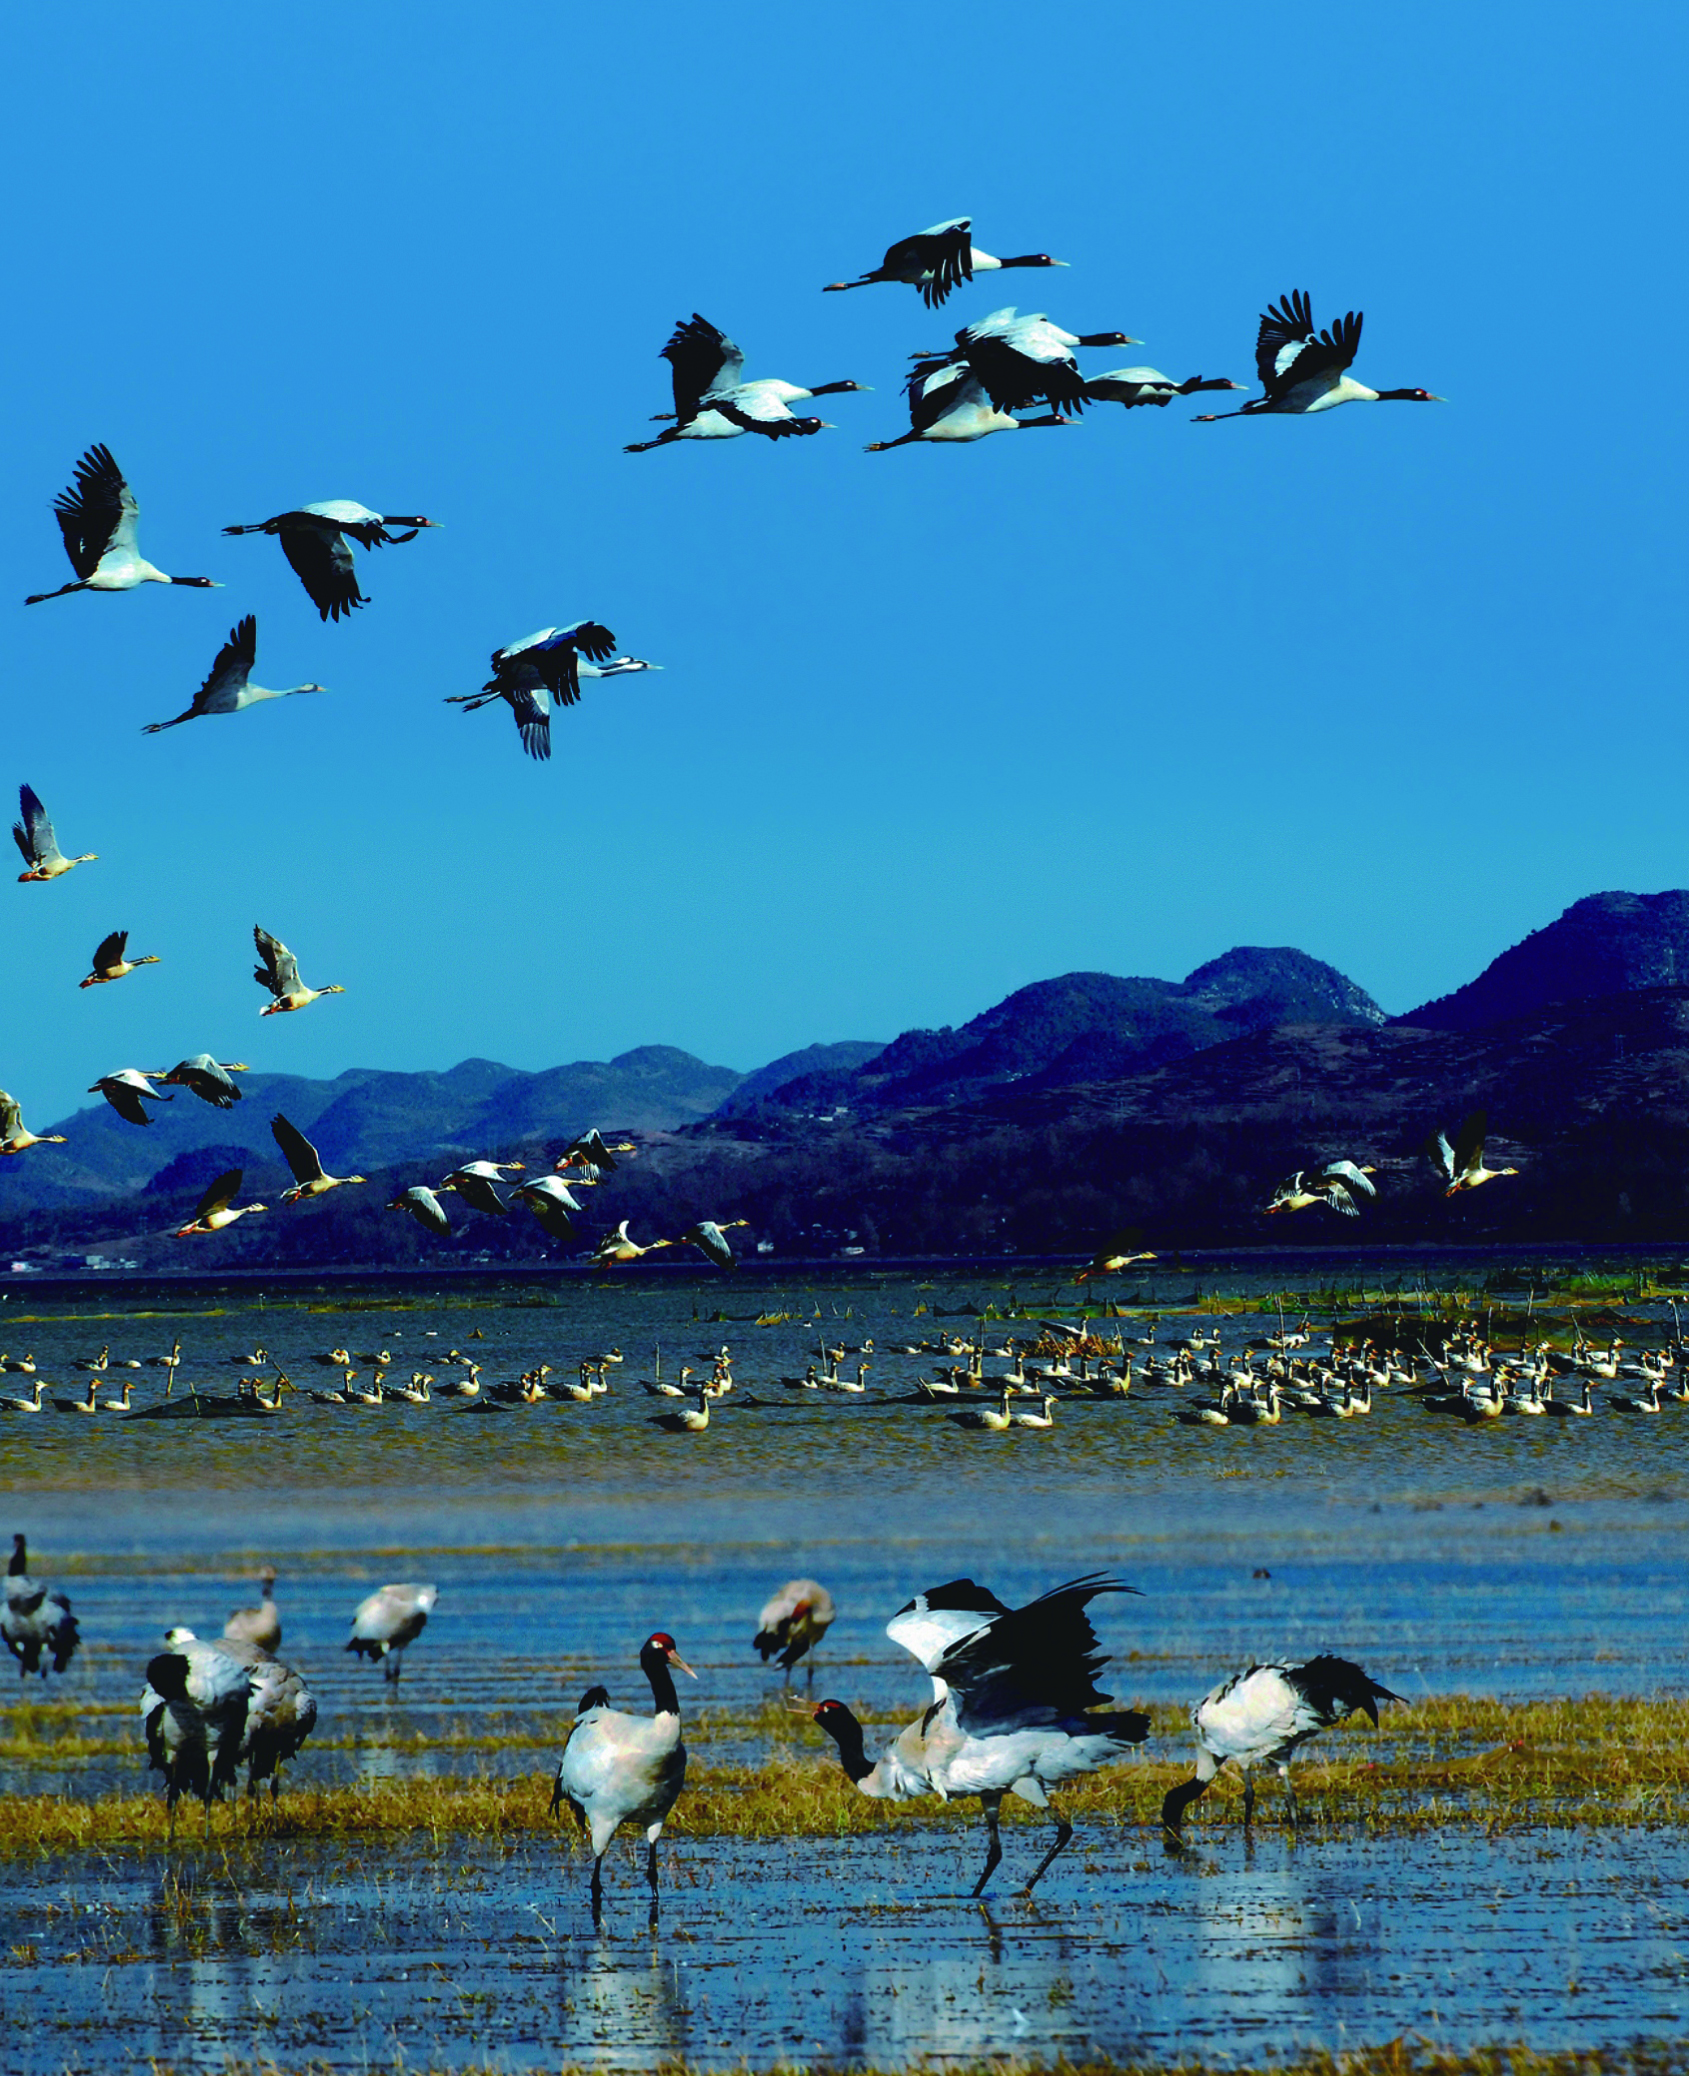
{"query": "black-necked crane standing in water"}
pixel 316 539
pixel 619 1769
pixel 1262 1716
pixel 281 1711
pixel 98 517
pixel 1023 360
pixel 260 1625
pixel 112 961
pixel 477 1183
pixel 1121 1251
pixel 712 399
pixel 33 835
pixel 544 669
pixel 1336 1185
pixel 950 403
pixel 1015 1709
pixel 386 1624
pixel 549 1198
pixel 793 1623
pixel 1303 370
pixel 711 1240
pixel 310 1178
pixel 938 259
pixel 424 1206
pixel 193 1714
pixel 228 687
pixel 204 1077
pixel 15 1137
pixel 278 971
pixel 217 1208
pixel 1461 1166
pixel 35 1619
pixel 1135 387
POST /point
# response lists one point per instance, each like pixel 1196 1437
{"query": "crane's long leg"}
pixel 598 1893
pixel 1293 1812
pixel 1248 1800
pixel 994 1851
pixel 390 1670
pixel 1064 1831
pixel 651 1876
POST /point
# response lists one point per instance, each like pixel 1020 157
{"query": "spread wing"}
pixel 34 834
pixel 1022 368
pixel 96 512
pixel 322 561
pixel 1289 353
pixel 11 1115
pixel 110 952
pixel 278 969
pixel 1350 1176
pixel 531 704
pixel 1036 1664
pixel 754 409
pixel 219 1195
pixel 1469 1142
pixel 945 251
pixel 229 673
pixel 300 1155
pixel 701 356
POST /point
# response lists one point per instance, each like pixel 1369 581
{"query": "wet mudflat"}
pixel 862 1950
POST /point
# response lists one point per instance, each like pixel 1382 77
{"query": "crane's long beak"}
pixel 680 1664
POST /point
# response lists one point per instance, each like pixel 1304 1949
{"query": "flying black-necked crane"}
pixel 1262 1716
pixel 474 1182
pixel 1022 360
pixel 1461 1166
pixel 713 401
pixel 424 1206
pixel 793 1623
pixel 390 1620
pixel 1132 387
pixel 33 835
pixel 112 960
pixel 711 1240
pixel 316 539
pixel 949 403
pixel 204 1077
pixel 619 1769
pixel 217 1208
pixel 228 687
pixel 1015 1709
pixel 1303 370
pixel 193 1714
pixel 14 1136
pixel 310 1178
pixel 260 1625
pixel 35 1620
pixel 278 970
pixel 938 259
pixel 1336 1185
pixel 543 669
pixel 98 517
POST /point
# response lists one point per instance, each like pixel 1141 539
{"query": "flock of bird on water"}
pixel 1014 1709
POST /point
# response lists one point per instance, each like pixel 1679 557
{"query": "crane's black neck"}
pixel 1178 1801
pixel 663 1697
pixel 20 1558
pixel 846 1732
pixel 831 388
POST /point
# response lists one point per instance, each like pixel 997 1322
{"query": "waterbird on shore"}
pixel 619 1769
pixel 112 961
pixel 1303 371
pixel 1262 1716
pixel 204 1077
pixel 1021 359
pixel 278 970
pixel 35 1621
pixel 388 1622
pixel 1132 387
pixel 15 1137
pixel 316 541
pixel 1461 1166
pixel 950 404
pixel 792 1623
pixel 228 686
pixel 217 1208
pixel 1336 1185
pixel 542 668
pixel 260 1625
pixel 99 518
pixel 937 259
pixel 193 1714
pixel 33 835
pixel 713 401
pixel 310 1178
pixel 424 1206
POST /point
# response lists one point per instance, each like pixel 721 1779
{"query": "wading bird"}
pixel 34 837
pixel 278 970
pixel 937 259
pixel 543 668
pixel 1336 1185
pixel 316 539
pixel 260 1625
pixel 793 1623
pixel 204 1077
pixel 35 1621
pixel 98 516
pixel 424 1206
pixel 949 403
pixel 1131 387
pixel 1302 370
pixel 713 401
pixel 281 1711
pixel 112 960
pixel 309 1177
pixel 193 1712
pixel 390 1620
pixel 1261 1716
pixel 228 688
pixel 1461 1166
pixel 217 1207
pixel 1021 361
pixel 620 1769
pixel 711 1240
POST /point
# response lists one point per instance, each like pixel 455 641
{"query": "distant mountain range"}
pixel 1074 1105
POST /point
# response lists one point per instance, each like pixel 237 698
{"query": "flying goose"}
pixel 14 1137
pixel 1303 371
pixel 228 687
pixel 548 1197
pixel 474 1182
pixel 315 539
pixel 278 970
pixel 617 1247
pixel 1115 1254
pixel 97 516
pixel 1336 1184
pixel 591 1155
pixel 711 1241
pixel 1461 1166
pixel 34 837
pixel 309 1177
pixel 112 960
pixel 217 1208
pixel 204 1077
pixel 424 1206
pixel 937 259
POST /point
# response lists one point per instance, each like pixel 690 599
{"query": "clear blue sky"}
pixel 1393 685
